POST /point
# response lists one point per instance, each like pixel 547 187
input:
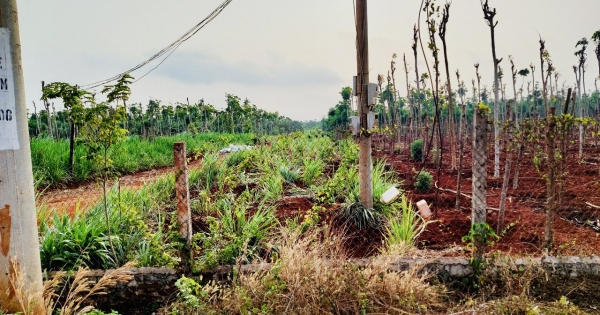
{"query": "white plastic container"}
pixel 390 195
pixel 424 209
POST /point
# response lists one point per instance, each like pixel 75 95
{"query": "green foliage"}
pixel 233 234
pixel 119 91
pixel 289 175
pixel 359 216
pixel 67 243
pixel 207 176
pixel 273 187
pixel 313 170
pixel 416 150
pixel 481 233
pixel 337 117
pixel 50 157
pixel 188 291
pixel 344 185
pixel 402 232
pixel 423 182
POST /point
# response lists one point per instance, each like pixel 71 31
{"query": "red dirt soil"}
pixel 82 197
pixel 525 207
pixel 524 219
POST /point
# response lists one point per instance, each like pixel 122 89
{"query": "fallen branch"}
pixel 464 195
pixel 592 205
pixel 451 191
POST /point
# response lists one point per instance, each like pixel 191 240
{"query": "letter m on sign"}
pixel 3 84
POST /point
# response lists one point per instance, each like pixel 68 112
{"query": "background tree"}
pixel 489 16
pixel 580 75
pixel 72 100
pixel 596 39
pixel 442 34
pixel 100 133
pixel 120 91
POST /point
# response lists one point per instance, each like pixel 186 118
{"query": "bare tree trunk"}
pixel 551 180
pixel 489 16
pixel 419 108
pixel 442 34
pixel 461 140
pixel 479 201
pixel 410 103
pixel 507 167
pixel 48 114
pixel 580 105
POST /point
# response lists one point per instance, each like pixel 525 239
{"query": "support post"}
pixel 479 201
pixel 364 138
pixel 21 284
pixel 183 203
pixel 551 179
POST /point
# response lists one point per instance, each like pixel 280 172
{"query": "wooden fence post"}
pixel 479 201
pixel 184 215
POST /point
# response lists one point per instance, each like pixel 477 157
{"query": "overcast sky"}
pixel 287 56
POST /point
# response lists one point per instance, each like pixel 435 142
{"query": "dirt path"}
pixel 84 196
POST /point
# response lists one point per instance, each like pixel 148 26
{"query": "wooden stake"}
pixel 182 190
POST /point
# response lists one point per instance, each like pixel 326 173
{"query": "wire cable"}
pixel 169 49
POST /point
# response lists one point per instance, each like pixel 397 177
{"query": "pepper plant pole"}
pixel 364 138
pixel 20 267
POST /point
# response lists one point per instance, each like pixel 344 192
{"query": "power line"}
pixel 169 49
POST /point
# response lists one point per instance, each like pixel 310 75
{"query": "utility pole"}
pixel 20 268
pixel 362 83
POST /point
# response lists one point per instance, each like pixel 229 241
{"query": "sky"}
pixel 292 57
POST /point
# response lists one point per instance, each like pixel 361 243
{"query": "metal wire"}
pixel 169 49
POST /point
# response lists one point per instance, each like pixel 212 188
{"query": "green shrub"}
pixel 359 216
pixel 343 187
pixel 402 232
pixel 273 187
pixel 82 241
pixel 423 182
pixel 288 174
pixel 313 169
pixel 233 233
pixel 207 176
pixel 416 150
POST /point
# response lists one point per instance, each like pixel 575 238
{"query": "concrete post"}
pixel 21 284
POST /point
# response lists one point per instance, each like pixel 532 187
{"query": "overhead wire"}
pixel 169 49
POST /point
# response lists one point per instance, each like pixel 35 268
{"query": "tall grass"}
pixel 50 157
pixel 402 231
pixel 82 241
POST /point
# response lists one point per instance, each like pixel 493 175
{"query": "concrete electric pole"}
pixel 20 268
pixel 362 89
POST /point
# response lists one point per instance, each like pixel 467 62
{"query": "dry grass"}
pixel 20 293
pixel 82 289
pixel 311 275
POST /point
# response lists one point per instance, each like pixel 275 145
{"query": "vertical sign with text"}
pixel 8 118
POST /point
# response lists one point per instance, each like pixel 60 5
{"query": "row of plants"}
pixel 50 158
pixel 236 195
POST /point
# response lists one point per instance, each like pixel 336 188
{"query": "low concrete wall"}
pixel 154 286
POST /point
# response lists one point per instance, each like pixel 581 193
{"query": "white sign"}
pixel 8 118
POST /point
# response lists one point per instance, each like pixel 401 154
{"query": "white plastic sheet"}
pixel 8 117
